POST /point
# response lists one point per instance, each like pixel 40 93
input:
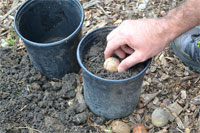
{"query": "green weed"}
pixel 198 44
pixel 11 40
pixel 109 129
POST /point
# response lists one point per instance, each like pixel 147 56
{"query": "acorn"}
pixel 111 64
pixel 139 128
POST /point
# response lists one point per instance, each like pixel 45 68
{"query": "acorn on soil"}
pixel 111 64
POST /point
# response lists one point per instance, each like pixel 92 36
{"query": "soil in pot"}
pixel 94 62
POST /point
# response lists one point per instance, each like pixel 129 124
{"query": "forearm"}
pixel 181 19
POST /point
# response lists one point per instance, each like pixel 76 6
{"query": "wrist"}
pixel 182 18
pixel 167 31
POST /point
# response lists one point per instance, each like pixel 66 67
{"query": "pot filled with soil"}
pixel 108 94
pixel 51 31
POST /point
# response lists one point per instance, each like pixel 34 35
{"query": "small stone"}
pixel 138 118
pixel 100 120
pixel 156 101
pixel 56 86
pixel 120 127
pixel 196 100
pixel 164 77
pixel 183 94
pixel 35 86
pixel 70 94
pixel 182 102
pixel 186 73
pixel 140 111
pixel 159 117
pixel 139 128
pixel 80 108
pixel 46 86
pixel 153 69
pixel 148 117
pixel 142 6
pixel 193 107
pixel 69 81
pixel 55 124
pixel 140 105
pixel 67 94
pixel 80 118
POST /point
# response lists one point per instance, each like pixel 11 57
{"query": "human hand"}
pixel 141 39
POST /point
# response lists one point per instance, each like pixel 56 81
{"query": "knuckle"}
pixel 141 57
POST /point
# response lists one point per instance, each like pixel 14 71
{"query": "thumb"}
pixel 130 61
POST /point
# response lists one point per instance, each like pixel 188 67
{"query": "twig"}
pixel 103 10
pixel 189 77
pixel 197 80
pixel 28 129
pixel 9 12
pixel 4 33
pixel 179 130
pixel 3 26
pixel 20 48
pixel 1 92
pixel 23 108
pixel 91 3
pixel 15 2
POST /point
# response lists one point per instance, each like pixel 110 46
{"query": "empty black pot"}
pixel 108 98
pixel 51 31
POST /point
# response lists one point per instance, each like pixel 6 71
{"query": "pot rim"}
pixel 104 79
pixel 25 3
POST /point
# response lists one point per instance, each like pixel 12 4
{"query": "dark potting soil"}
pixel 30 102
pixel 94 62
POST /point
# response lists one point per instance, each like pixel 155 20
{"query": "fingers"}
pixel 127 49
pixel 130 61
pixel 113 45
pixel 111 34
pixel 119 52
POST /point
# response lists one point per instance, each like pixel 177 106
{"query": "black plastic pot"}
pixel 51 31
pixel 108 98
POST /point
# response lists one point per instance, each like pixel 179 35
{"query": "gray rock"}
pixel 35 86
pixel 80 108
pixel 100 120
pixel 80 118
pixel 69 81
pixel 47 86
pixel 65 94
pixel 56 86
pixel 159 117
pixel 54 125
